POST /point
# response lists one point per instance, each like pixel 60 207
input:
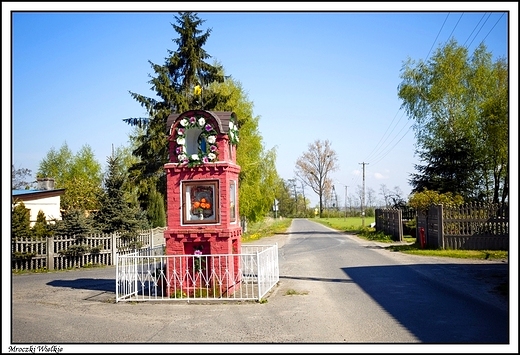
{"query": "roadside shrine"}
pixel 202 197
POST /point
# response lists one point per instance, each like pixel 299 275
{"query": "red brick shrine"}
pixel 202 195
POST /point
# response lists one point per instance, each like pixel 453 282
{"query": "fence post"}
pixel 114 249
pixel 50 253
pixel 400 226
pixel 441 226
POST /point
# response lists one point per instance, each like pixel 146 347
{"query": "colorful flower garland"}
pixel 209 134
pixel 233 132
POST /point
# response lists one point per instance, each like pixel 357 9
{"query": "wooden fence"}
pixel 469 226
pixel 65 252
pixel 390 221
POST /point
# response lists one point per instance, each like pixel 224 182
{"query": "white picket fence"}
pixel 54 253
pixel 150 276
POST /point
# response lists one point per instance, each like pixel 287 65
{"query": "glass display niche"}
pixel 200 202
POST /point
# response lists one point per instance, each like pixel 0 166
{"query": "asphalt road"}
pixel 337 293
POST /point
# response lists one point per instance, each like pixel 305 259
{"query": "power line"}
pixel 385 150
pixel 464 45
pixel 492 28
pixel 383 136
pixel 379 152
pixel 478 31
pixel 433 44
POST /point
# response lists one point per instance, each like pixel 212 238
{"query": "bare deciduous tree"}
pixel 371 197
pixel 386 193
pixel 314 166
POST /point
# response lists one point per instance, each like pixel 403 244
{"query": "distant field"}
pixel 350 224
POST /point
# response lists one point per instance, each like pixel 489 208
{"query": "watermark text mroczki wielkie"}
pixel 33 349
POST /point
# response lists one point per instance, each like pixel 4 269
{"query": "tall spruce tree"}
pixel 174 83
pixel 442 171
pixel 74 223
pixel 116 214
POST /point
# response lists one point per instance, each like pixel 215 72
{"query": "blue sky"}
pixel 310 75
pixel 330 74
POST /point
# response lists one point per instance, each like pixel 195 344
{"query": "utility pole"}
pixel 303 194
pixel 335 197
pixel 346 201
pixel 363 197
pixel 295 197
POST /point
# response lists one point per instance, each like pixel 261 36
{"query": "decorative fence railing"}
pixel 469 226
pixel 64 252
pixel 245 276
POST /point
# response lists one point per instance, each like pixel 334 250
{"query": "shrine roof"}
pixel 221 117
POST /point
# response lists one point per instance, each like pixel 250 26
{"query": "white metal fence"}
pixel 152 276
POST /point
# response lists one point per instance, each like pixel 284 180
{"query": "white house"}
pixel 45 198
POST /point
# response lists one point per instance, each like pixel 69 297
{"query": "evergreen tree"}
pixel 74 223
pixel 444 171
pixel 20 221
pixel 116 214
pixel 174 83
pixel 156 212
pixel 40 229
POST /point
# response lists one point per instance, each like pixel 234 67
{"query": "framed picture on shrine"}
pixel 200 202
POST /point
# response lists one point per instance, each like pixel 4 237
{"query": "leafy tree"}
pixel 314 166
pixel 286 200
pixel 458 104
pixel 40 229
pixel 115 213
pixel 257 165
pixel 20 221
pixel 494 125
pixel 421 201
pixel 79 174
pixel 19 179
pixel 174 83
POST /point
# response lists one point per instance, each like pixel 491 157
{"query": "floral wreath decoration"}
pixel 209 134
pixel 233 132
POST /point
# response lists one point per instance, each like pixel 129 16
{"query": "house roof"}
pixel 27 195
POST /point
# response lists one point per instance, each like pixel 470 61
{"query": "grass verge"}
pixel 361 229
pixel 265 228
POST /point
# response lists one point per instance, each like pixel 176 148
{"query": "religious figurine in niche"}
pixel 201 140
